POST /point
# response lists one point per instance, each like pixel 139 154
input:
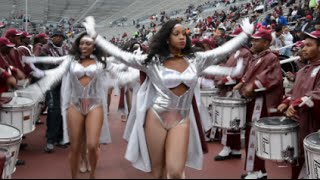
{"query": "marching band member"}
pixel 9 74
pixel 231 139
pixel 262 86
pixel 304 103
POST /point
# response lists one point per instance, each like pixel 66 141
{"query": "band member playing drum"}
pixel 231 138
pixel 8 74
pixel 304 103
pixel 262 86
pixel 5 48
pixel 14 55
pixel 6 80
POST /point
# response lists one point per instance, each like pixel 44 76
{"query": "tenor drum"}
pixel 10 140
pixel 229 113
pixel 312 155
pixel 277 139
pixel 20 113
pixel 207 97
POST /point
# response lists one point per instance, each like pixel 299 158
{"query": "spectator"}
pixel 55 48
pixel 308 26
pixel 288 40
pixel 277 38
pixel 281 20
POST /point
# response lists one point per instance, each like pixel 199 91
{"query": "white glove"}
pixel 306 101
pixel 38 73
pixel 238 69
pixel 247 27
pixel 90 24
pixel 138 51
pixel 237 54
pixel 27 59
pixel 230 81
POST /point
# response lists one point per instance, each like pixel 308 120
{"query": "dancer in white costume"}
pixel 165 138
pixel 84 102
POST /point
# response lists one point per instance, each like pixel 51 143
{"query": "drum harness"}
pixel 252 138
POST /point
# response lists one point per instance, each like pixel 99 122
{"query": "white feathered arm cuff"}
pixel 50 79
pixel 43 59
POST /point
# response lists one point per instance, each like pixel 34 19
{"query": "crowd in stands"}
pixel 287 20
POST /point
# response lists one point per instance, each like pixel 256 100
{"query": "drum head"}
pixel 209 91
pixel 229 101
pixel 276 123
pixel 314 138
pixel 18 102
pixel 8 132
pixel 312 142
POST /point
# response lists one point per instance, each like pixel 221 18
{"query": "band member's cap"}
pixel 236 32
pixel 5 42
pixel 262 34
pixel 314 34
pixel 25 34
pixel 42 35
pixel 13 32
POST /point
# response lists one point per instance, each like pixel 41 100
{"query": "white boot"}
pixel 225 151
pixel 256 175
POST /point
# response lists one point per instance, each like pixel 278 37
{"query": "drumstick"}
pixel 283 118
pixel 15 94
pixel 25 84
pixel 274 110
pixel 287 46
pixel 304 102
pixel 229 94
pixel 295 58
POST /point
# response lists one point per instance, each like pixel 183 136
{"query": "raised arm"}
pixel 130 59
pixel 215 70
pixel 127 77
pixel 43 59
pixel 215 56
pixel 114 67
pixel 50 79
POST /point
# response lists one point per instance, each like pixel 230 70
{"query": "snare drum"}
pixel 207 97
pixel 312 155
pixel 6 170
pixel 229 113
pixel 10 140
pixel 20 113
pixel 37 106
pixel 277 139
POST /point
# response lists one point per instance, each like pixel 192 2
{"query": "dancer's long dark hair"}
pixel 159 45
pixel 75 50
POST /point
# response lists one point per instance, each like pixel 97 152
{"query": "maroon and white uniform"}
pixel 265 75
